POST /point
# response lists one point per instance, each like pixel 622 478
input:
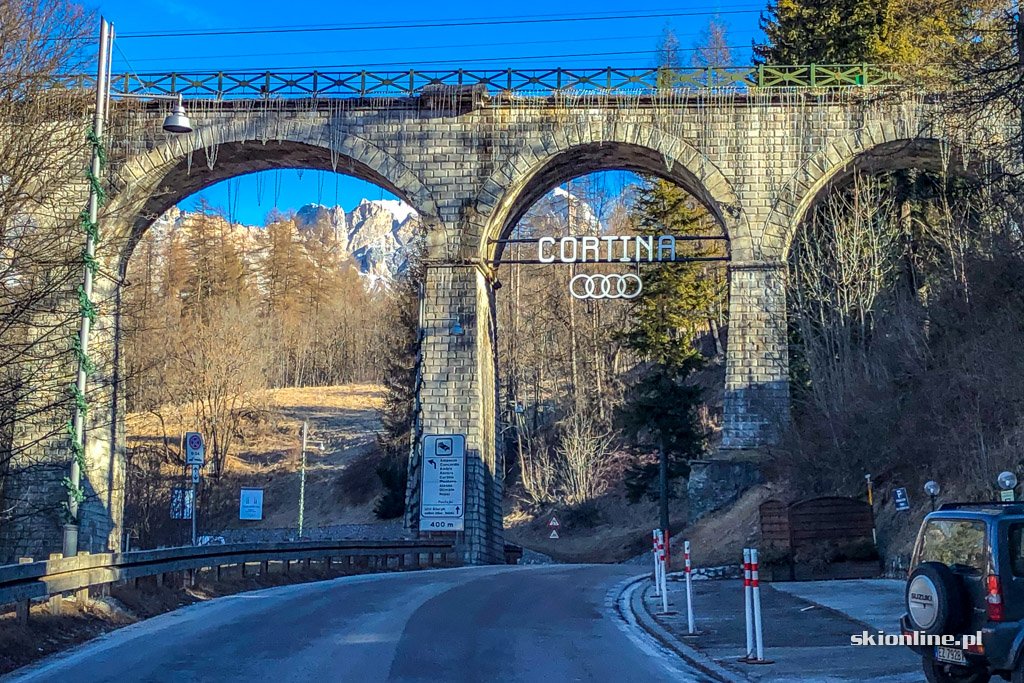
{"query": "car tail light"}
pixel 994 600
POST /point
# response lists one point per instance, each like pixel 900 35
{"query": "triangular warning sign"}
pixel 554 523
pixel 554 534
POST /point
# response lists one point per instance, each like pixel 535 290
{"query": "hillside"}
pixel 341 483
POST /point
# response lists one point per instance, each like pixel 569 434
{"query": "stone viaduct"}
pixel 471 160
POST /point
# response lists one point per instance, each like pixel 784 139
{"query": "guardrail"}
pixel 408 83
pixel 49 579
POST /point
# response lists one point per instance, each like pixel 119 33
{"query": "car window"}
pixel 1017 549
pixel 958 543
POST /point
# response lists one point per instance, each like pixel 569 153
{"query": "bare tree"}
pixel 712 50
pixel 584 453
pixel 42 153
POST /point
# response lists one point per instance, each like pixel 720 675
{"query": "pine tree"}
pixel 821 31
pixel 660 408
pixel 680 301
pixel 915 32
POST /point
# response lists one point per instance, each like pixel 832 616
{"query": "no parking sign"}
pixel 195 452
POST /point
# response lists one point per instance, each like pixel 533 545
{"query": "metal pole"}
pixel 70 544
pixel 195 501
pixel 302 479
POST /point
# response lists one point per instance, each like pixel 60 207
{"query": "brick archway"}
pixel 874 148
pixel 575 151
pixel 149 184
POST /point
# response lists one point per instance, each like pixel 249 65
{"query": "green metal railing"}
pixel 537 82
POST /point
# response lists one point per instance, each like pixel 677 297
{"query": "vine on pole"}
pixel 87 310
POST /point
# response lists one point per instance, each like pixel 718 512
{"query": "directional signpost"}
pixel 443 483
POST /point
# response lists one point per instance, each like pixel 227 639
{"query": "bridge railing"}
pixel 607 81
pixel 27 581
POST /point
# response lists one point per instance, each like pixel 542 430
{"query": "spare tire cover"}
pixel 935 599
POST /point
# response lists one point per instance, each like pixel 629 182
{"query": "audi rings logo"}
pixel 612 286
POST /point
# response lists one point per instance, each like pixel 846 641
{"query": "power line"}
pixel 449 24
pixel 411 48
pixel 385 24
pixel 409 64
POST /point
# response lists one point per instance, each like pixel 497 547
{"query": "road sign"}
pixel 443 483
pixel 554 534
pixel 195 474
pixel 250 504
pixel 554 523
pixel 1006 495
pixel 900 498
pixel 195 452
pixel 181 503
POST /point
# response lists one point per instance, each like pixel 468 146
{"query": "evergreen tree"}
pixel 918 32
pixel 821 31
pixel 680 301
pixel 660 408
pixel 660 411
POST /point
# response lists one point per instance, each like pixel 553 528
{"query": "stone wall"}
pixel 471 168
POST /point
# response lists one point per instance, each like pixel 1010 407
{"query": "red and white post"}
pixel 664 583
pixel 689 589
pixel 756 590
pixel 748 604
pixel 657 563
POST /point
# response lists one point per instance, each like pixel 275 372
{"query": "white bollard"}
pixel 747 604
pixel 664 583
pixel 657 563
pixel 757 604
pixel 689 589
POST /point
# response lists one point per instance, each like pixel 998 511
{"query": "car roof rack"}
pixel 994 506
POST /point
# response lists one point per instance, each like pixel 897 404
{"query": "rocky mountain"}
pixel 376 235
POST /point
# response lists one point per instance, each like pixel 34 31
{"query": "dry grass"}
pixel 267 454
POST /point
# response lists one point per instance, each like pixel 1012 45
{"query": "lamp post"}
pixel 176 122
pixel 932 489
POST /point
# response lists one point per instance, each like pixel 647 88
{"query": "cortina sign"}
pixel 607 249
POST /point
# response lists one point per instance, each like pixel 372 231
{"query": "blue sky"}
pixel 535 42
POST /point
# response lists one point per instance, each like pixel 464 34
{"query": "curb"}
pixel 691 656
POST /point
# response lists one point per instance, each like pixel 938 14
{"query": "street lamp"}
pixel 932 489
pixel 177 122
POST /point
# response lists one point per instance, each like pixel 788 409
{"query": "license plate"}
pixel 950 655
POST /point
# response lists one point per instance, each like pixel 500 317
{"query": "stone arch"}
pixel 150 183
pixel 876 147
pixel 575 151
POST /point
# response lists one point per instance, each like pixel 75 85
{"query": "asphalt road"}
pixel 548 623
